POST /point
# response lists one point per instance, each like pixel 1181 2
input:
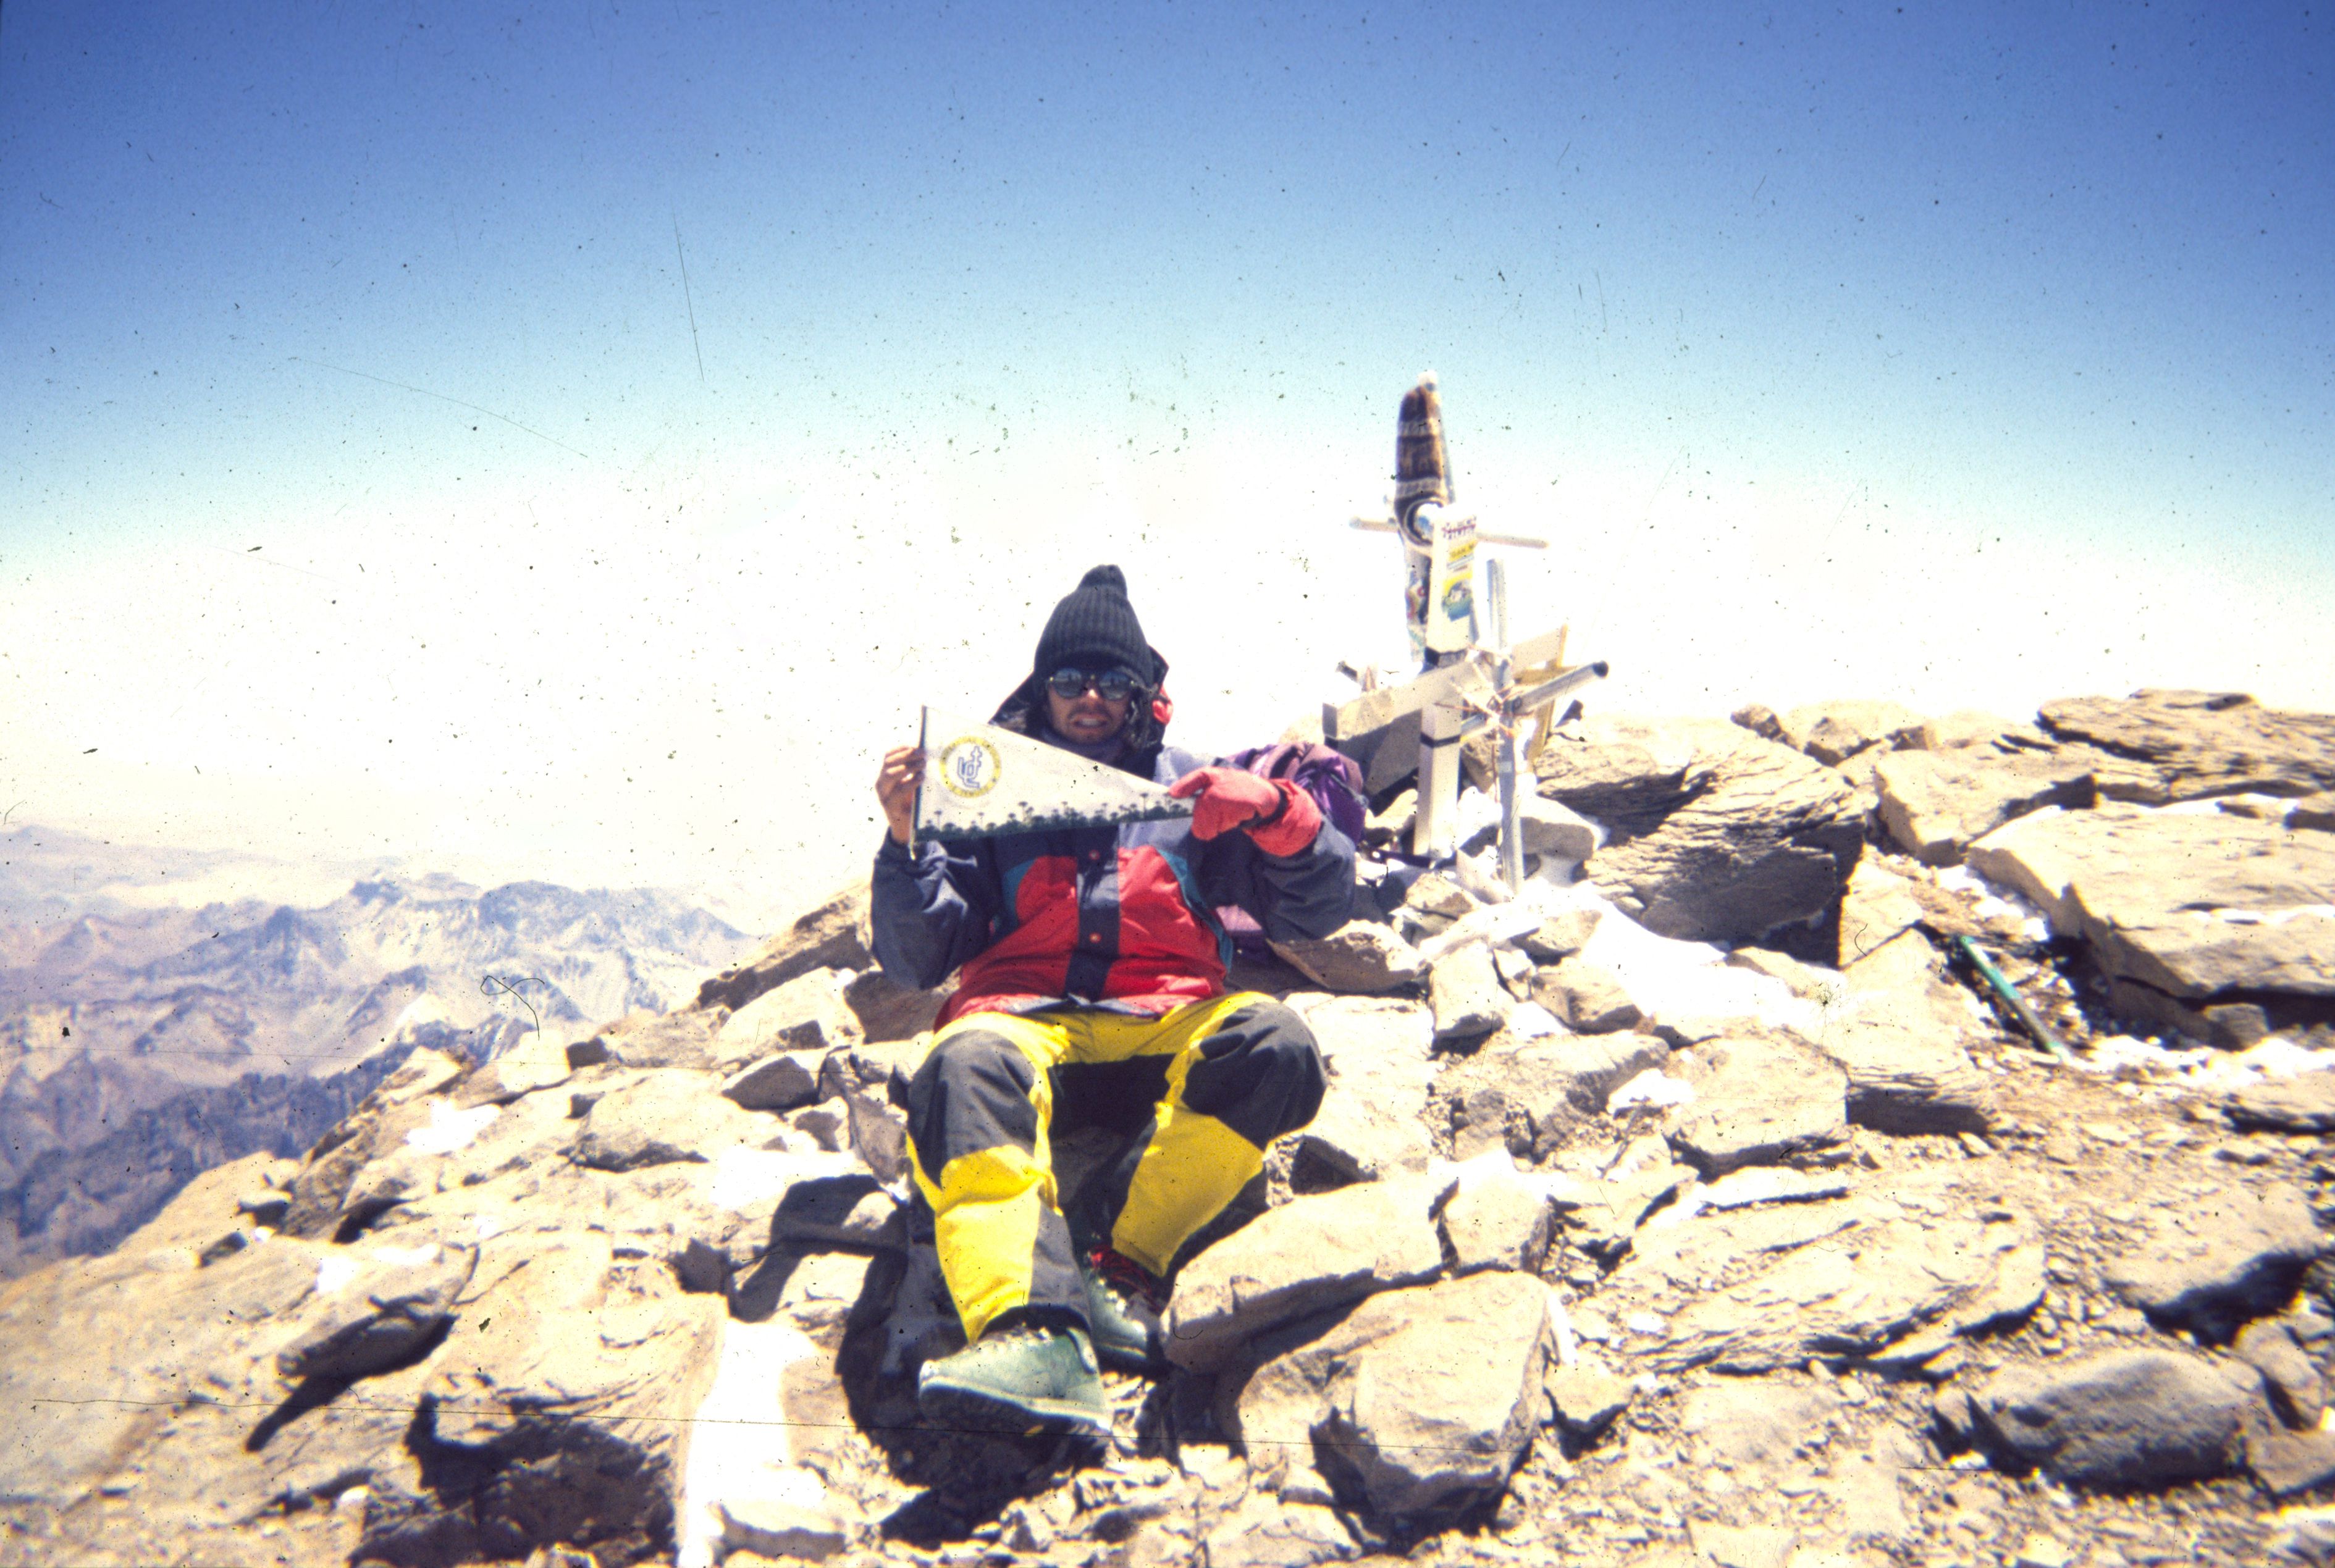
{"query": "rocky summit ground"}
pixel 1688 1208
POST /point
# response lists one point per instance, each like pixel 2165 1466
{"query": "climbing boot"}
pixel 1124 1302
pixel 1020 1376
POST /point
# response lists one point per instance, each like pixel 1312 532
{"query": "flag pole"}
pixel 923 722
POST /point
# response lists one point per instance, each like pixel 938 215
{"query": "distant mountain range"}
pixel 143 1039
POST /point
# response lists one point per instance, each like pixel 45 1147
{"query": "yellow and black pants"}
pixel 1221 1079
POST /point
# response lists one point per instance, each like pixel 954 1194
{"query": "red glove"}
pixel 1276 814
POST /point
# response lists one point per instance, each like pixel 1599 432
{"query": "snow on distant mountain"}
pixel 144 1041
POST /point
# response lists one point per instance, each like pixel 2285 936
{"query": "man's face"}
pixel 1088 717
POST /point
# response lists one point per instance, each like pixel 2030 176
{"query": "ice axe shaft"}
pixel 2009 996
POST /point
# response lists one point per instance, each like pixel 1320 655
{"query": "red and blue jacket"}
pixel 1121 918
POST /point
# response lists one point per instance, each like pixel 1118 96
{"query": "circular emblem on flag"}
pixel 969 767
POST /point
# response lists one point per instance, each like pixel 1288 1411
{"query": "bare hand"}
pixel 896 788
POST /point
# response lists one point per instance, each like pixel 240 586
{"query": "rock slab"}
pixel 1759 1099
pixel 2128 1419
pixel 2213 1262
pixel 1307 1256
pixel 1765 837
pixel 1414 1399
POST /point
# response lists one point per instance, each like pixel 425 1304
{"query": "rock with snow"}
pixel 2189 904
pixel 562 1380
pixel 1469 999
pixel 388 1302
pixel 1588 996
pixel 1802 980
pixel 2122 1420
pixel 1899 1033
pixel 1553 831
pixel 406 1103
pixel 1560 935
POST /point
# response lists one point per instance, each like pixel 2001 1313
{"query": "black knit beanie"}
pixel 1094 628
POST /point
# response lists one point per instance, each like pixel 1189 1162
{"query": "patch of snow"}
pixel 422 1010
pixel 407 1257
pixel 1568 1349
pixel 738 1445
pixel 1677 1212
pixel 1531 1020
pixel 1668 978
pixel 1468 1172
pixel 1493 923
pixel 2202 1068
pixel 1991 900
pixel 1475 810
pixel 740 1177
pixel 450 1129
pixel 2275 916
pixel 1650 1087
pixel 334 1274
pixel 1480 876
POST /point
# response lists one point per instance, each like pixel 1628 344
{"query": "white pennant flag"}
pixel 980 779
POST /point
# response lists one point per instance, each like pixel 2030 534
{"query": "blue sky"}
pixel 1965 354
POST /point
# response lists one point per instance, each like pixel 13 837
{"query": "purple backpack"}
pixel 1333 781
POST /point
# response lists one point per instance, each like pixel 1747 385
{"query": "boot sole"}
pixel 964 1407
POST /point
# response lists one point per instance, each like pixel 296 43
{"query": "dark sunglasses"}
pixel 1111 686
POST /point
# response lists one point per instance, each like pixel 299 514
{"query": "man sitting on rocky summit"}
pixel 1092 962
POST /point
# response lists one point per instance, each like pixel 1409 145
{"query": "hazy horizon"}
pixel 571 445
